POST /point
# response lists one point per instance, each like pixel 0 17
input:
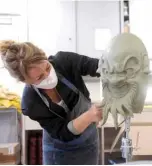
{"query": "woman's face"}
pixel 38 72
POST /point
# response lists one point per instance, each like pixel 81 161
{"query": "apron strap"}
pixel 46 102
pixel 68 83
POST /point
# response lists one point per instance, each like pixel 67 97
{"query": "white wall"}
pixel 66 40
pixel 95 91
pixel 141 25
pixel 92 15
pixel 9 6
pixel 140 21
pixel 16 31
pixel 52 26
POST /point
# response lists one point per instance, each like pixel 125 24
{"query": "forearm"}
pixel 78 125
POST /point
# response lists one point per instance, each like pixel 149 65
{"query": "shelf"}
pixel 109 150
pixel 109 136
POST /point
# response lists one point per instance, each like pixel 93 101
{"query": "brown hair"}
pixel 19 57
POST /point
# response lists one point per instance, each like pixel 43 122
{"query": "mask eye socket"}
pixel 130 72
pixel 131 67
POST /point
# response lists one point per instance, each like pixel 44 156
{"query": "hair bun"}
pixel 5 46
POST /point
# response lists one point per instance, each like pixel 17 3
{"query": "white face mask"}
pixel 50 82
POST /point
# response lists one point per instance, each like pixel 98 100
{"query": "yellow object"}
pixel 148 106
pixel 9 99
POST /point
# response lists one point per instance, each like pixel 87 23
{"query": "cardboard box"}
pixel 10 158
pixel 10 154
pixel 10 163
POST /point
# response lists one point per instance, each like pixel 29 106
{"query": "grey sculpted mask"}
pixel 124 69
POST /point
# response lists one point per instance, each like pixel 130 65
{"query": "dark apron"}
pixel 80 151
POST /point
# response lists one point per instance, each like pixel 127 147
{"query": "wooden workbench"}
pixel 140 133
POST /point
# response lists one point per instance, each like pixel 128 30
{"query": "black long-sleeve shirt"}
pixel 72 66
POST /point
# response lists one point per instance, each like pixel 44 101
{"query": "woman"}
pixel 56 97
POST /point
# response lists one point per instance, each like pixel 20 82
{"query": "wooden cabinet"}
pixel 140 133
pixel 109 148
pixel 141 140
pixel 107 136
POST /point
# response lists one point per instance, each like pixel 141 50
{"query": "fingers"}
pixel 114 115
pixel 99 117
pixel 98 114
pixel 121 111
pixel 115 109
pixel 100 105
pixel 105 114
pixel 129 111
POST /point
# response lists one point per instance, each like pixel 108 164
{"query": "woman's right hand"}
pixel 93 115
pixel 96 113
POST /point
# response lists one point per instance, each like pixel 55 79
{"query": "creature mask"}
pixel 124 74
